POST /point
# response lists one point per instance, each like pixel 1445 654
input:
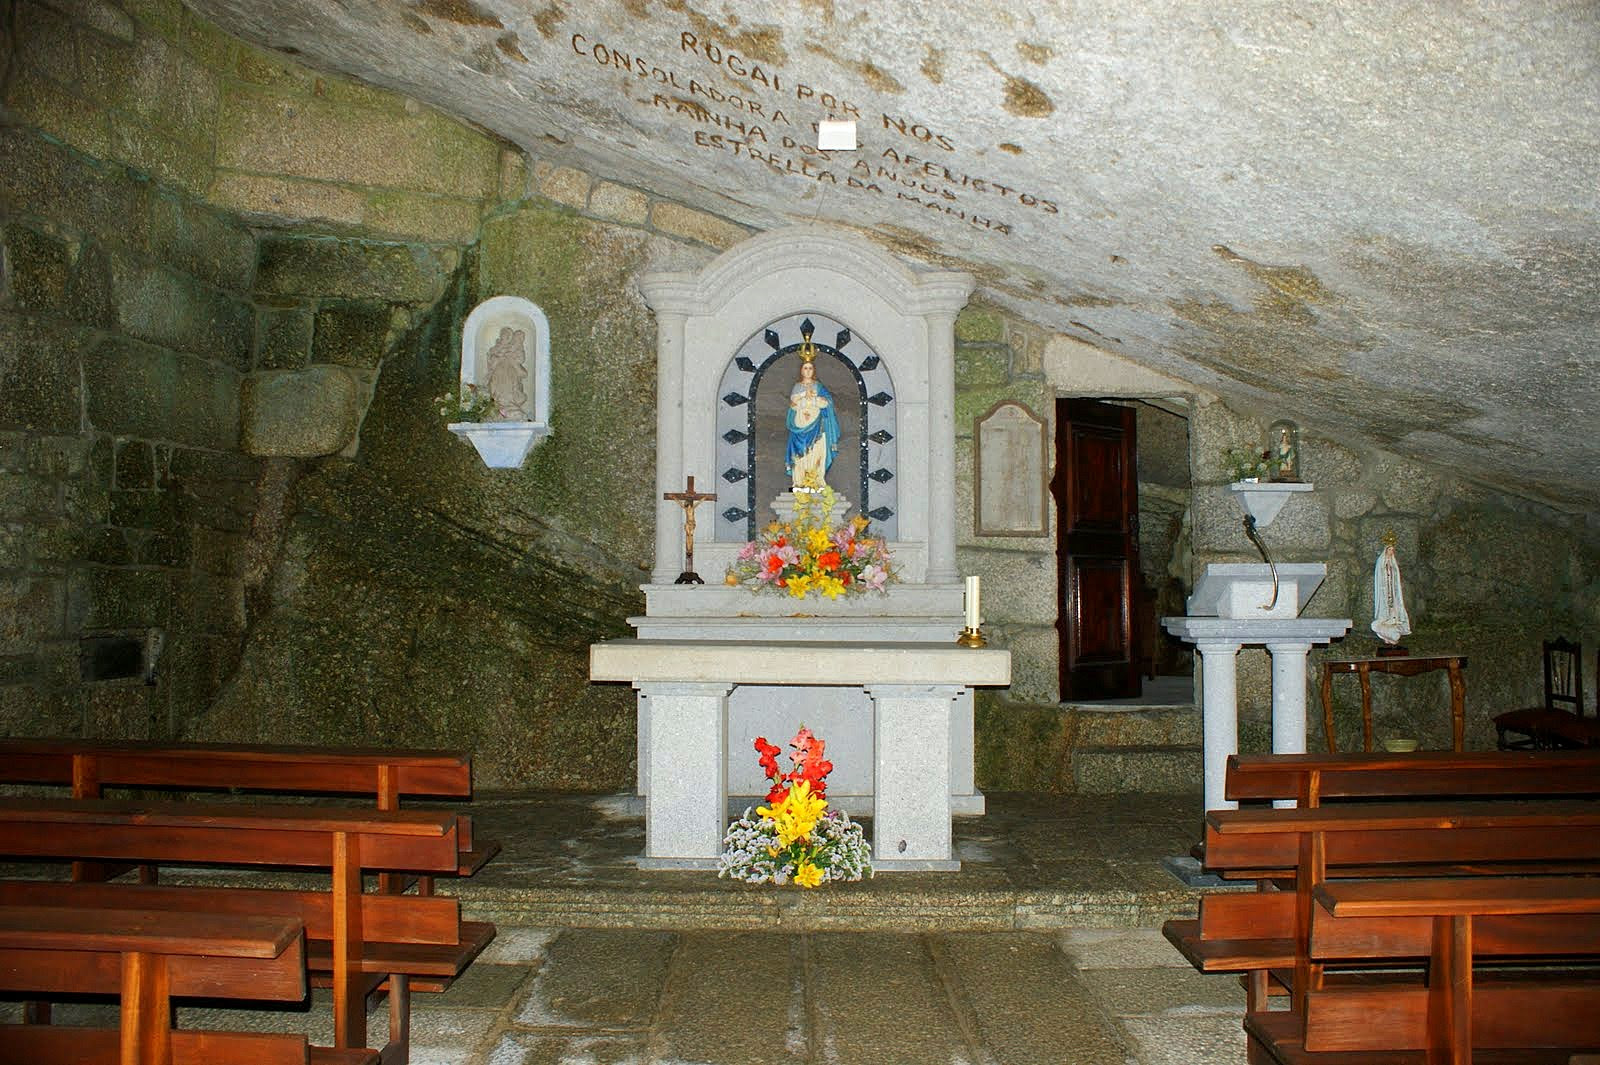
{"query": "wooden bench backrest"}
pixel 384 918
pixel 230 834
pixel 50 1044
pixel 88 766
pixel 1456 924
pixel 1371 836
pixel 1524 917
pixel 1417 776
pixel 57 949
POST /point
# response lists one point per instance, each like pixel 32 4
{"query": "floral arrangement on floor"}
pixel 808 554
pixel 795 838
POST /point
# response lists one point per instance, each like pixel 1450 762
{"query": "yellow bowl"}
pixel 1399 746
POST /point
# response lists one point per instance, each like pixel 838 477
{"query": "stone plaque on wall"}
pixel 1009 479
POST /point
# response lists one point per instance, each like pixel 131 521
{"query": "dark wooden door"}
pixel 1097 549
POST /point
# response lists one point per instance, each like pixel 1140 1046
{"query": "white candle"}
pixel 972 602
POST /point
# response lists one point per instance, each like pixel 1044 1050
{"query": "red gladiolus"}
pixel 816 771
pixel 777 794
pixel 769 757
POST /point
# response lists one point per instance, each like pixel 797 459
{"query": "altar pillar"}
pixel 941 448
pixel 1288 701
pixel 686 808
pixel 1289 696
pixel 1219 714
pixel 911 811
pixel 669 445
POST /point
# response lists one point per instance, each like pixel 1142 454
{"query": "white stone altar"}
pixel 882 338
pixel 912 691
pixel 1229 609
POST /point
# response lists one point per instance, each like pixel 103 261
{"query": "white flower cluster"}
pixel 841 850
pixel 849 853
pixel 747 852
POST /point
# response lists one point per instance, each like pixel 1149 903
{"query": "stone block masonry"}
pixel 133 315
pixel 125 329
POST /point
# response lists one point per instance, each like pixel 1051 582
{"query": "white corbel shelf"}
pixel 1263 499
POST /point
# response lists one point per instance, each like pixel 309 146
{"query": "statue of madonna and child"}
pixel 813 429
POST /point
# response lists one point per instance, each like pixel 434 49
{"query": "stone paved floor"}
pixel 879 973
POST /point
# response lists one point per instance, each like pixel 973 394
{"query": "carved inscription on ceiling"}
pixel 730 105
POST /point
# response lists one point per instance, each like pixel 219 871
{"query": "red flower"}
pixel 777 794
pixel 828 560
pixel 774 564
pixel 816 771
pixel 769 757
pixel 845 578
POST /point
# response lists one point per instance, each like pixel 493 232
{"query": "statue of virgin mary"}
pixel 813 429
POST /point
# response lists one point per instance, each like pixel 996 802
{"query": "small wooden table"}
pixel 1403 666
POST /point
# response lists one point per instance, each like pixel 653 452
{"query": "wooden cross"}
pixel 688 499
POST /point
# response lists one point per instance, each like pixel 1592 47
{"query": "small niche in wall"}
pixel 505 366
pixel 110 657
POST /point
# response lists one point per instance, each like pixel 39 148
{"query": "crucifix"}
pixel 688 499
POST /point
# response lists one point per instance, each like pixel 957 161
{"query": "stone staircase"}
pixel 1149 749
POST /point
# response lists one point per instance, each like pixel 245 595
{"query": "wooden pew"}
pixel 87 766
pixel 1542 1009
pixel 385 776
pixel 147 959
pixel 1265 934
pixel 1254 934
pixel 1313 778
pixel 343 841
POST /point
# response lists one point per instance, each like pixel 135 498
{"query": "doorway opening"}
pixel 1122 487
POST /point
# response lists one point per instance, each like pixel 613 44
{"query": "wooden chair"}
pixel 1543 727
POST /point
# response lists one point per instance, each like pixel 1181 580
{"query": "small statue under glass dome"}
pixel 1283 450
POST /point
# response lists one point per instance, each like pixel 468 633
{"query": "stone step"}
pixel 1137 769
pixel 1137 726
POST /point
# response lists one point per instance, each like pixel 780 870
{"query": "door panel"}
pixel 1096 491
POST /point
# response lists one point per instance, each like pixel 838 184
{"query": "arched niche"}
pixel 752 400
pixel 515 331
pixel 705 318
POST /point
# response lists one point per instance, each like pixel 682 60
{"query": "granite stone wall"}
pixel 126 328
pixel 1485 575
pixel 232 287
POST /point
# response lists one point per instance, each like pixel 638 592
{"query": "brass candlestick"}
pixel 971 638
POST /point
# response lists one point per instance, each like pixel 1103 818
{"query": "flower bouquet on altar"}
pixel 795 837
pixel 808 554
